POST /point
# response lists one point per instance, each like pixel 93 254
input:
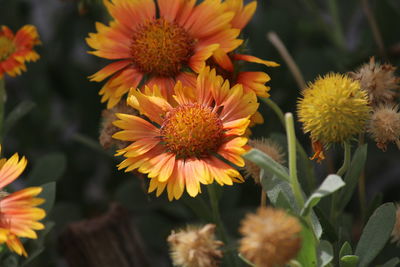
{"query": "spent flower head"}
pixel 384 126
pixel 270 237
pixel 379 80
pixel 269 147
pixel 195 247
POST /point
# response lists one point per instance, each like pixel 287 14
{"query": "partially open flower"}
pixel 270 237
pixel 385 126
pixel 269 147
pixel 379 81
pixel 333 109
pixel 396 229
pixel 195 247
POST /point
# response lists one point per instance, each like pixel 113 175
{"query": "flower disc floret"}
pixel 192 131
pixel 7 47
pixel 333 109
pixel 161 48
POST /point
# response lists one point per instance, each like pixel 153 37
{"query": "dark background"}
pixel 67 115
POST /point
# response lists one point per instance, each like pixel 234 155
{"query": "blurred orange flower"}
pixel 17 49
pixel 19 215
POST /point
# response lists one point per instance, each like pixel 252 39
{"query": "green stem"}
pixel 340 172
pixel 212 193
pixel 303 155
pixel 338 36
pixel 291 139
pixel 2 102
pixel 347 159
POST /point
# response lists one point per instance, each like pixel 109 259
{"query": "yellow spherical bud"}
pixel 333 109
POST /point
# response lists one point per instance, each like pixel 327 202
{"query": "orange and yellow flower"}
pixel 19 215
pixel 160 44
pixel 186 141
pixel 17 49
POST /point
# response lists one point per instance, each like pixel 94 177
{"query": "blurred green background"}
pixel 67 115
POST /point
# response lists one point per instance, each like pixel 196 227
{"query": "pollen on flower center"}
pixel 7 47
pixel 161 48
pixel 192 130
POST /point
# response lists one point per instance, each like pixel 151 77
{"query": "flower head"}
pixel 19 215
pixel 333 109
pixel 269 147
pixel 195 247
pixel 163 40
pixel 379 81
pixel 181 142
pixel 270 237
pixel 385 126
pixel 17 49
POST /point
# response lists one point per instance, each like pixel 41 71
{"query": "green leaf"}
pixel 49 194
pixel 16 114
pixel 391 263
pixel 47 169
pixel 325 253
pixel 274 186
pixel 267 164
pixel 349 261
pixel 345 250
pixel 331 183
pixel 351 177
pixel 307 255
pixel 376 233
pixel 329 230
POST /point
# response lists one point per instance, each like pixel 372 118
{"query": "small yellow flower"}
pixel 333 109
pixel 195 247
pixel 385 126
pixel 269 147
pixel 270 237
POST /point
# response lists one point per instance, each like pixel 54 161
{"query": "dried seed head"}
pixel 379 81
pixel 384 126
pixel 270 237
pixel 107 127
pixel 396 229
pixel 195 247
pixel 269 147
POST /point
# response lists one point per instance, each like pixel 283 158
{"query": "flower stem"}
pixel 338 36
pixel 347 159
pixel 303 155
pixel 2 102
pixel 340 172
pixel 291 139
pixel 212 193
